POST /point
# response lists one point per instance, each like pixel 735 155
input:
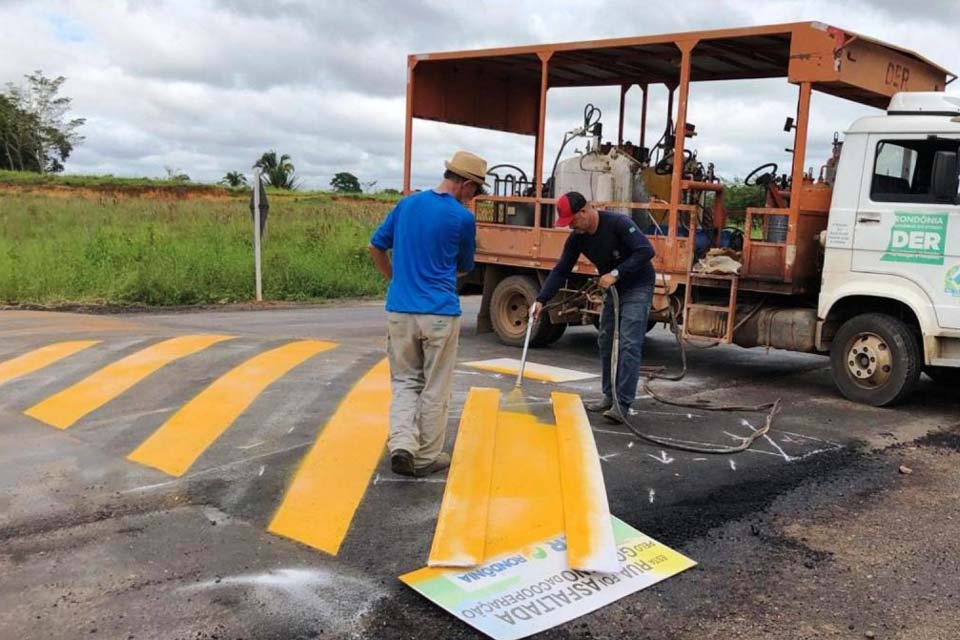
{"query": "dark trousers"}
pixel 634 312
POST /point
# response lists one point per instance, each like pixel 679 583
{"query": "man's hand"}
pixel 607 281
pixel 535 309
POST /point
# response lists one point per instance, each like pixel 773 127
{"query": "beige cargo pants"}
pixel 423 353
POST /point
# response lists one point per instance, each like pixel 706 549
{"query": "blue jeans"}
pixel 634 312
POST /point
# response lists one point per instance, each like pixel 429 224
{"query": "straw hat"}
pixel 468 165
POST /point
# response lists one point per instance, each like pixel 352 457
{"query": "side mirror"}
pixel 946 176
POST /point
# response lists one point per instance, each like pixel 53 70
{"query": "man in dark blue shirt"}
pixel 622 256
pixel 433 238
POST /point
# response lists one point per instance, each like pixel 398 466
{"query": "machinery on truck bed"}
pixel 860 259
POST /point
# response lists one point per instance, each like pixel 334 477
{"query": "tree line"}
pixel 35 134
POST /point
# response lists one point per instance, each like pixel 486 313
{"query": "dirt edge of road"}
pixel 861 549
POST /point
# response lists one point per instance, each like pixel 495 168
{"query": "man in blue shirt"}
pixel 622 256
pixel 433 238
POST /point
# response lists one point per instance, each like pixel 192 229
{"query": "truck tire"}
pixel 875 359
pixel 510 308
pixel 944 376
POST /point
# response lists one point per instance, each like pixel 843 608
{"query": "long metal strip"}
pixel 460 536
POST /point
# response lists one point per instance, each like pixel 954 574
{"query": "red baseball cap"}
pixel 567 205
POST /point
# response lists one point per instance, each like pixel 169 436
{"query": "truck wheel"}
pixel 875 359
pixel 510 308
pixel 944 376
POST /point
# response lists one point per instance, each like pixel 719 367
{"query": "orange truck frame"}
pixel 506 89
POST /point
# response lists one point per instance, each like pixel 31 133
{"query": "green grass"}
pixel 139 251
pixel 27 180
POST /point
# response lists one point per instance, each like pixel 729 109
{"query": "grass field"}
pixel 57 249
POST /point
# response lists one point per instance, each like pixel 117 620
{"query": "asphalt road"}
pixel 93 544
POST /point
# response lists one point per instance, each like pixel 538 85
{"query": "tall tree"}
pixel 19 137
pixel 345 182
pixel 234 179
pixel 278 172
pixel 53 137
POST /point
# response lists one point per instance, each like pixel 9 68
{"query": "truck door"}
pixel 900 229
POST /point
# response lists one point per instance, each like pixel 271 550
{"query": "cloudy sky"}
pixel 205 86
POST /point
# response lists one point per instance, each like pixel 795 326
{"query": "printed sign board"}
pixel 528 591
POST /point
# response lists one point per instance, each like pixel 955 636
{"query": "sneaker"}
pixel 442 462
pixel 401 462
pixel 599 406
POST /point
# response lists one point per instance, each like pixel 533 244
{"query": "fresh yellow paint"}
pixel 64 409
pixel 525 500
pixel 460 536
pixel 180 440
pixel 590 540
pixel 532 370
pixel 40 358
pixel 329 485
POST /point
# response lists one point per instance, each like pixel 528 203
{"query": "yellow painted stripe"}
pixel 525 500
pixel 532 370
pixel 590 541
pixel 187 434
pixel 40 358
pixel 460 535
pixel 327 488
pixel 64 409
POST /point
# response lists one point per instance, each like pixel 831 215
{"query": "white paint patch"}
pixel 652 492
pixel 608 456
pixel 733 465
pixel 695 459
pixel 339 600
pixel 251 445
pixel 263 467
pixel 533 370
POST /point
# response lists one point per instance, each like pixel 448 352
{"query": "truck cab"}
pixel 889 304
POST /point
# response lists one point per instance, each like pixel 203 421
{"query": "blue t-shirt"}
pixel 433 237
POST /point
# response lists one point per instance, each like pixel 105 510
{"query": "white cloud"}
pixel 208 86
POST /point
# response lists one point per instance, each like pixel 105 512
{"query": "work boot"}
pixel 613 416
pixel 441 463
pixel 401 462
pixel 599 406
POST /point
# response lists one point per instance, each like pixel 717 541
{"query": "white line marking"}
pixel 699 459
pixel 733 465
pixel 607 457
pixel 378 479
pixel 290 430
pixel 251 445
pixel 218 468
pixel 652 493
pixel 263 468
pixel 800 435
pixel 767 437
pixel 664 458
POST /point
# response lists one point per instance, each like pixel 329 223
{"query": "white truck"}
pixel 889 303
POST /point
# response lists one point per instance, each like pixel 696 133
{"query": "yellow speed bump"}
pixel 40 358
pixel 64 409
pixel 590 540
pixel 333 477
pixel 186 435
pixel 460 536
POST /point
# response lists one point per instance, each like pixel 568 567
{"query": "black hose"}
pixel 773 408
